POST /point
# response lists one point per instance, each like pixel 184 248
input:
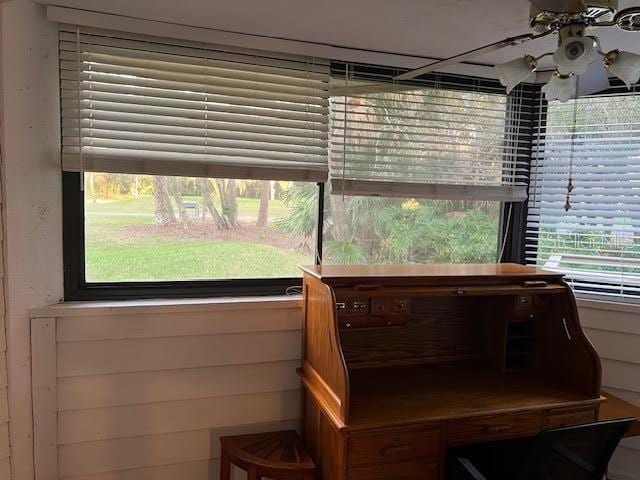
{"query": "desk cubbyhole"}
pixel 518 361
pixel 526 329
pixel 520 344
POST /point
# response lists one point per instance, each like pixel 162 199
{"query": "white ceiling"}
pixel 429 28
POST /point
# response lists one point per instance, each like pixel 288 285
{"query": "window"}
pixel 440 137
pixel 155 228
pixel 596 243
pixel 419 170
pixel 143 235
pixel 409 230
pixel 195 169
pixel 181 160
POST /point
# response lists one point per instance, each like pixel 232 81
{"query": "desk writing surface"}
pixel 427 274
pixel 391 396
pixel 614 408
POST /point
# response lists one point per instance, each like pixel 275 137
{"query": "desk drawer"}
pixel 394 446
pixel 563 417
pixel 396 471
pixel 487 429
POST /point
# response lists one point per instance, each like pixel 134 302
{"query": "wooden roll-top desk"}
pixel 402 362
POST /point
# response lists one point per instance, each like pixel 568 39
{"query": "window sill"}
pixel 90 308
pixel 96 307
pixel 603 304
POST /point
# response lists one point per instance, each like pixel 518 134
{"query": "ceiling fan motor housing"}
pixel 595 11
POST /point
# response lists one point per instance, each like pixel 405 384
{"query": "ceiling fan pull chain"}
pixel 570 186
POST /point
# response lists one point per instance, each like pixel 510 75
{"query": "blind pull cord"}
pixel 567 205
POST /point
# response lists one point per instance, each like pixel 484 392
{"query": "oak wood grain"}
pixel 562 417
pixel 427 274
pixel 439 329
pixel 277 455
pixel 395 446
pixel 493 427
pixel 414 394
pixel 322 355
pixel 614 408
pixel 402 361
pixel 417 470
pixel 327 445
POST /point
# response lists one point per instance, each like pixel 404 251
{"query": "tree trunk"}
pixel 228 200
pixel 340 224
pixel 163 209
pixel 207 189
pixel 263 211
pixel 174 188
pixel 232 196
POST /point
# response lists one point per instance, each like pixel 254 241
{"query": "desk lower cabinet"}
pixel 402 362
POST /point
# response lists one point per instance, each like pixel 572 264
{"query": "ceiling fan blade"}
pixel 569 6
pixel 476 52
pixel 594 80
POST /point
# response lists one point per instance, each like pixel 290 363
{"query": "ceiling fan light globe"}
pixel 625 66
pixel 515 72
pixel 576 54
pixel 560 87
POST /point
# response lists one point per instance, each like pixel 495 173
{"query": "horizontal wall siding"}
pixel 110 327
pixel 148 395
pixel 202 469
pixel 111 390
pixel 165 417
pixel 4 408
pixel 5 469
pixel 152 354
pixel 154 450
pixel 616 336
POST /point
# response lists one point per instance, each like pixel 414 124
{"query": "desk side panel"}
pixel 567 352
pixel 324 370
pixel 326 444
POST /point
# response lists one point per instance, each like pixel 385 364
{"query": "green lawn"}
pixel 177 260
pixel 117 252
pixel 247 207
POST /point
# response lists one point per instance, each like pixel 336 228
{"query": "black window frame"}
pixel 76 288
pixel 513 218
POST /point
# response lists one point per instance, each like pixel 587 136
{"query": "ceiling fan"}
pixel 576 54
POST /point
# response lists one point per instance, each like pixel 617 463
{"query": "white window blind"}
pixel 597 242
pixel 451 138
pixel 134 104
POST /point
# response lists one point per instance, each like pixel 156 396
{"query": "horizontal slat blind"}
pixel 597 242
pixel 132 104
pixel 433 139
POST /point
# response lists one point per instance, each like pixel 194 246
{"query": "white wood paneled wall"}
pixel 137 391
pixel 145 393
pixel 32 200
pixel 5 451
pixel 615 332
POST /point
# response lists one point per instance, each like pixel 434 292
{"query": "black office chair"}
pixel 580 452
